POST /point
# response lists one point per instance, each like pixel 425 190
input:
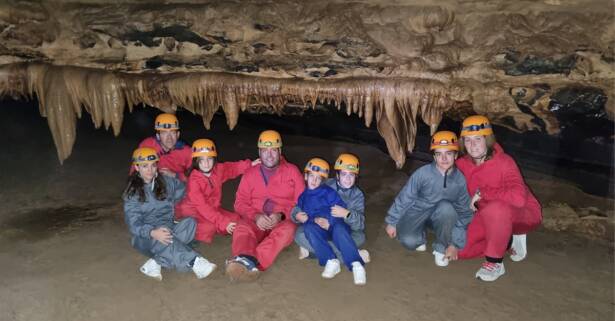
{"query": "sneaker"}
pixel 241 269
pixel 364 254
pixel 358 273
pixel 202 267
pixel 518 249
pixel 440 259
pixel 421 248
pixel 332 268
pixel 152 269
pixel 303 253
pixel 490 271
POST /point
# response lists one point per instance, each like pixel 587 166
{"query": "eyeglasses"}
pixel 475 128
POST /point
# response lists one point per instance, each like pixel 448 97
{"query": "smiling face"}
pixel 445 159
pixel 313 180
pixel 168 139
pixel 147 171
pixel 475 146
pixel 206 164
pixel 270 157
pixel 346 179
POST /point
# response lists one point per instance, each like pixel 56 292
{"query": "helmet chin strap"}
pixel 154 181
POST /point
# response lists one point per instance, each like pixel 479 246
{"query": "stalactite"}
pixel 63 91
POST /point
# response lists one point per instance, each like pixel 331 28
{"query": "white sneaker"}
pixel 518 248
pixel 152 269
pixel 358 273
pixel 303 253
pixel 440 259
pixel 332 268
pixel 364 254
pixel 490 271
pixel 421 248
pixel 202 268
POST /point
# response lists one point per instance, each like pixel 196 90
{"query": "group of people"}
pixel 472 196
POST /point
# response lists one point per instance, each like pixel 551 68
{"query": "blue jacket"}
pixel 318 202
pixel 142 218
pixel 355 201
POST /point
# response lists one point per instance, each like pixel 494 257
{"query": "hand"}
pixel 274 219
pixel 256 162
pixel 475 199
pixel 302 217
pixel 262 222
pixel 167 172
pixel 338 211
pixel 322 222
pixel 162 235
pixel 451 253
pixel 230 228
pixel 391 231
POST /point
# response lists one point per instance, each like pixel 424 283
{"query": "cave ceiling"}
pixel 393 63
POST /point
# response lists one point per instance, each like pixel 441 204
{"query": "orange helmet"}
pixel 347 162
pixel 269 139
pixel 166 122
pixel 204 147
pixel 444 139
pixel 476 125
pixel 318 166
pixel 144 155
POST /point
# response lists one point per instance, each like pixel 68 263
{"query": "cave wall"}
pixel 538 66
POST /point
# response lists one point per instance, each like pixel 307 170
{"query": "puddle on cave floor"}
pixel 39 224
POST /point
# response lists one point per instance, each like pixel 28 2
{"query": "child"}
pixel 204 191
pixel 149 199
pixel 320 226
pixel 346 174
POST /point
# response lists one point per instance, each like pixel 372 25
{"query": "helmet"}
pixel 269 139
pixel 166 122
pixel 347 162
pixel 204 147
pixel 144 155
pixel 476 125
pixel 444 139
pixel 318 166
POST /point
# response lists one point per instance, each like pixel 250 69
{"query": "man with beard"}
pixel 265 197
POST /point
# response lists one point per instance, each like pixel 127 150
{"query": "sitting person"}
pixel 204 191
pixel 434 196
pixel 346 174
pixel 149 200
pixel 320 226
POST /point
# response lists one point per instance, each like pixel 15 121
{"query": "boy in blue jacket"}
pixel 320 226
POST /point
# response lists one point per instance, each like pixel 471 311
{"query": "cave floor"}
pixel 65 251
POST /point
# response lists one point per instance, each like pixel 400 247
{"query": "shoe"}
pixel 358 273
pixel 241 269
pixel 152 269
pixel 518 249
pixel 303 253
pixel 202 267
pixel 332 268
pixel 364 254
pixel 440 259
pixel 421 248
pixel 490 271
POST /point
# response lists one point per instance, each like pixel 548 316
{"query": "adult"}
pixel 505 208
pixel 435 196
pixel 345 184
pixel 175 155
pixel 264 200
pixel 149 200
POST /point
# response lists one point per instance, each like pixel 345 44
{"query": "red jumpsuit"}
pixel 203 199
pixel 178 160
pixel 506 207
pixel 283 188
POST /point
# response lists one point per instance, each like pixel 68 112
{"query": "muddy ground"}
pixel 65 250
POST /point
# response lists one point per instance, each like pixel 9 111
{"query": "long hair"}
pixel 489 141
pixel 135 186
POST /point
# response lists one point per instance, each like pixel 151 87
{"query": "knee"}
pixel 445 211
pixel 495 209
pixel 410 242
pixel 189 221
